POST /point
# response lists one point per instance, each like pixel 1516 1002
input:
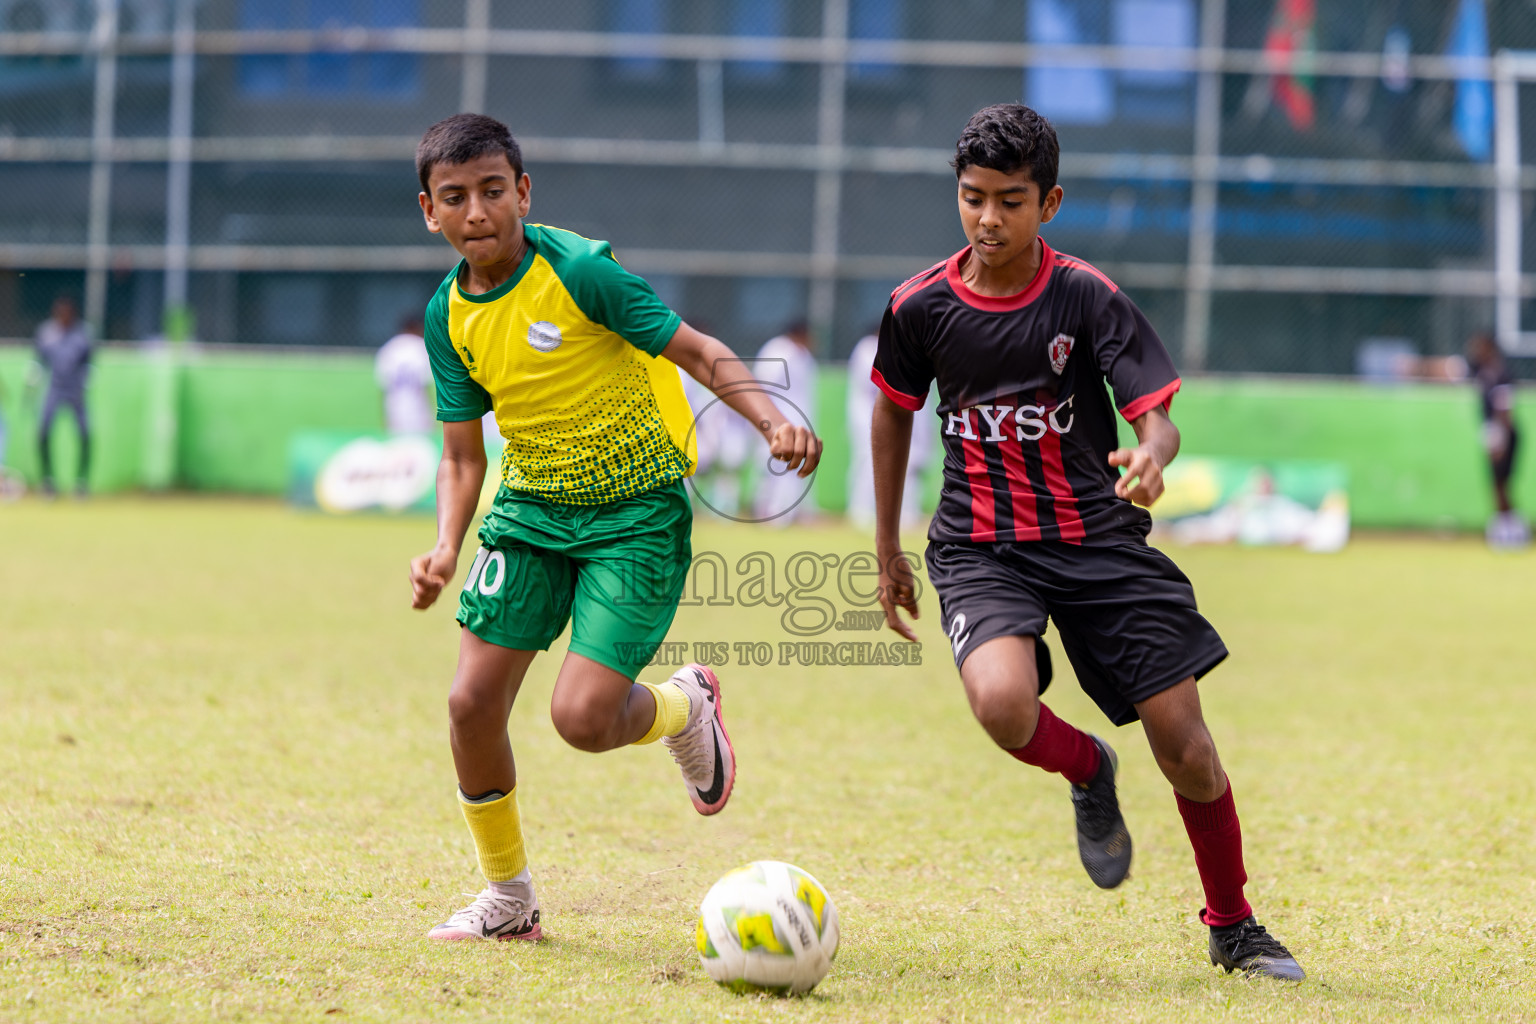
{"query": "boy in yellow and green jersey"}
pixel 578 359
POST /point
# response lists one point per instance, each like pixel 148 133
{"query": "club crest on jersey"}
pixel 1060 350
pixel 544 336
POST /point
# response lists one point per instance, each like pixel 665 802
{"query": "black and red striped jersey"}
pixel 1027 421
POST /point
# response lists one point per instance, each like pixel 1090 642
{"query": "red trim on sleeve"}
pixel 912 285
pixel 905 287
pixel 1005 303
pixel 911 403
pixel 1163 396
pixel 1073 263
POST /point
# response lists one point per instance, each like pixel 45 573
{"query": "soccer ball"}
pixel 767 927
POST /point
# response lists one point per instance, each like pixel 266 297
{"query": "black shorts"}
pixel 1125 613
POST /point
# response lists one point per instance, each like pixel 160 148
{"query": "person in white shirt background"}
pixel 787 359
pixel 861 470
pixel 404 374
pixel 724 443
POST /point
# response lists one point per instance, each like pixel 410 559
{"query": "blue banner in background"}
pixel 1473 115
pixel 1066 95
pixel 1074 94
pixel 1168 24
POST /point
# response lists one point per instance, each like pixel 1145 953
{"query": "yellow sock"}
pixel 498 834
pixel 671 711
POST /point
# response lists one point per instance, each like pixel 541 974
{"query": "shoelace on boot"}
pixel 1250 939
pixel 691 750
pixel 509 906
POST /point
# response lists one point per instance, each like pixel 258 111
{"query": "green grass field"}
pixel 227 795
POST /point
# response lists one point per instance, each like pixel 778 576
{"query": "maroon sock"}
pixel 1217 837
pixel 1059 747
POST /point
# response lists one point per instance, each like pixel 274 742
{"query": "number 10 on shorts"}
pixel 487 572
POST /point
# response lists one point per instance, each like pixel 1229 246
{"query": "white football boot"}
pixel 509 910
pixel 703 749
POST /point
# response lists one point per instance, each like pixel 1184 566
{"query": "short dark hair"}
pixel 460 139
pixel 1009 137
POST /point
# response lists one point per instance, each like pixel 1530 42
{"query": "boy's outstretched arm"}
pixel 709 362
pixel 1144 464
pixel 890 441
pixel 460 475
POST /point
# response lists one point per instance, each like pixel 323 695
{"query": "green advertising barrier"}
pixel 342 473
pixel 1197 484
pixel 162 405
pixel 1411 451
pixel 1227 501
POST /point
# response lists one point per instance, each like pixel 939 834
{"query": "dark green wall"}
pixel 1412 450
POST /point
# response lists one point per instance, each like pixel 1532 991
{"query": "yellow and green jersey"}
pixel 566 354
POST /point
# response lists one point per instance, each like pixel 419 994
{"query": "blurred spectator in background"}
pixel 787 359
pixel 404 374
pixel 861 469
pixel 724 442
pixel 64 351
pixel 1500 438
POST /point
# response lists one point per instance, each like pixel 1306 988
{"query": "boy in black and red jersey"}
pixel 1036 520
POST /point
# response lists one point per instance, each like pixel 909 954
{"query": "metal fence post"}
pixel 711 78
pixel 1203 186
pixel 477 22
pixel 178 176
pixel 827 209
pixel 98 227
pixel 1507 229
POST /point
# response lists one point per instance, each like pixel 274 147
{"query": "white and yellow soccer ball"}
pixel 767 927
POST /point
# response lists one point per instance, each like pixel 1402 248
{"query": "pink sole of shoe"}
pixel 730 780
pixel 446 936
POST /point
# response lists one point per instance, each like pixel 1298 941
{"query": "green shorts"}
pixel 617 570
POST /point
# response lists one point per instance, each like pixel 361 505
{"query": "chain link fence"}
pixel 1277 182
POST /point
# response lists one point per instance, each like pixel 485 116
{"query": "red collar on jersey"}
pixel 1003 303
